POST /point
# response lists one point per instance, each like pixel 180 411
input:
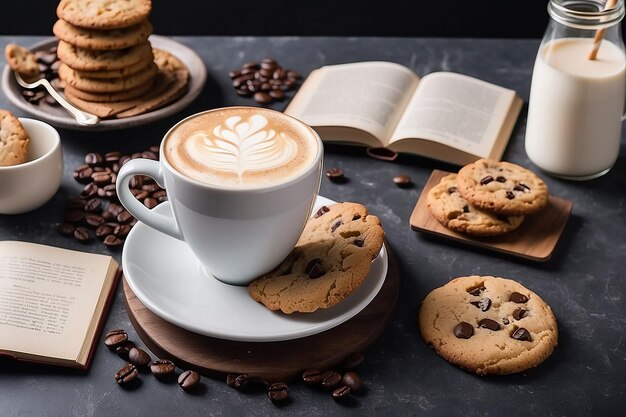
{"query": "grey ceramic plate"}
pixel 58 117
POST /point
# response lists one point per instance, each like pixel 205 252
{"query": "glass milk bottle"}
pixel 576 103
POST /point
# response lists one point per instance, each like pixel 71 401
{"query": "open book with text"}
pixel 443 115
pixel 53 302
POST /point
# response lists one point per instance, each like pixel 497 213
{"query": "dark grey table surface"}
pixel 584 282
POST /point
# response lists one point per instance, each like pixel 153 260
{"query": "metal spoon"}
pixel 82 118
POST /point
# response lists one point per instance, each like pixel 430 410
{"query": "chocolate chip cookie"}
pixel 502 187
pixel 13 140
pixel 111 85
pixel 102 39
pixel 91 60
pixel 331 259
pixel 453 211
pixel 488 325
pixel 21 60
pixel 104 14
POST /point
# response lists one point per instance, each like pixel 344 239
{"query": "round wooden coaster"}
pixel 272 361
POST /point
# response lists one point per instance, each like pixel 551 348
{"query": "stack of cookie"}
pixel 108 65
pixel 487 198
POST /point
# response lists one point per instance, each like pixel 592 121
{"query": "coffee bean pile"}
pixel 264 81
pixel 97 210
pixel 341 386
pixel 49 69
pixel 161 369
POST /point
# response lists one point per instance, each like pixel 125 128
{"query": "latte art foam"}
pixel 241 147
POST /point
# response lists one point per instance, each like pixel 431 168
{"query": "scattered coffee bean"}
pixel 483 304
pixel 93 205
pixel 265 81
pixel 126 375
pixel 93 159
pixel 82 234
pixel 489 324
pixel 83 174
pixel 519 313
pixel 521 334
pixel 518 298
pixel 278 392
pixel 486 180
pixel 383 154
pixel 312 377
pixel 353 380
pixel 240 381
pixel 90 190
pixel 121 230
pixel 463 330
pixel 124 217
pixel 113 242
pixel 48 69
pixel 67 229
pixel 402 181
pixel 331 379
pixel 150 202
pixel 103 231
pixel 94 220
pixel 123 350
pixel 335 174
pixel 162 368
pixel 139 357
pixel 115 338
pixel 230 380
pixel 74 216
pixel 314 268
pixel 341 392
pixel 189 380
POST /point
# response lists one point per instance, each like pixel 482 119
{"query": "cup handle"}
pixel 156 221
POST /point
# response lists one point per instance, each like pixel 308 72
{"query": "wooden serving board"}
pixel 535 239
pixel 271 361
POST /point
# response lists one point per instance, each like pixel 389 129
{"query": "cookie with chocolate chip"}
pixel 502 187
pixel 332 258
pixel 488 325
pixel 448 206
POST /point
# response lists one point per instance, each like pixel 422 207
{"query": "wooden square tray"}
pixel 535 239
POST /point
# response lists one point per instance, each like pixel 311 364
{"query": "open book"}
pixel 52 302
pixel 445 116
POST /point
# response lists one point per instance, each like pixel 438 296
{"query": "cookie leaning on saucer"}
pixel 104 14
pixel 332 258
pixel 102 85
pixel 502 187
pixel 13 140
pixel 488 325
pixel 102 39
pixel 453 211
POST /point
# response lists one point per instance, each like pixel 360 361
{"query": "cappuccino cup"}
pixel 241 183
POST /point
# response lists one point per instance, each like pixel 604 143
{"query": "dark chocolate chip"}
pixel 519 313
pixel 483 304
pixel 486 180
pixel 466 209
pixel 335 226
pixel 452 190
pixel 505 321
pixel 521 334
pixel 518 298
pixel 489 324
pixel 314 268
pixel 476 290
pixel 359 242
pixel 510 195
pixel 323 210
pixel 500 178
pixel 463 330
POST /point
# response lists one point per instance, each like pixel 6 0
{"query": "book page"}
pixel 47 298
pixel 367 95
pixel 456 110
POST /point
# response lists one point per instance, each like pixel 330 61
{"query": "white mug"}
pixel 237 234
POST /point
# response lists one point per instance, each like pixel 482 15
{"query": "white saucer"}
pixel 165 276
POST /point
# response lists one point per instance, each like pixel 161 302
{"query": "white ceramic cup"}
pixel 28 186
pixel 237 234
